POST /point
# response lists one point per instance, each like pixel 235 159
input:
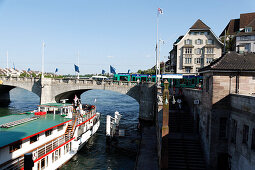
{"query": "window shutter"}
pixel 206 41
pixel 190 42
pixel 201 41
pixel 195 41
pixel 185 42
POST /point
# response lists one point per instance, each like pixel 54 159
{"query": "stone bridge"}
pixel 53 90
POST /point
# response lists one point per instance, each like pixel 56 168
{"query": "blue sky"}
pixel 117 32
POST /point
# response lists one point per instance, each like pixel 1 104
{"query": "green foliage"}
pixel 149 71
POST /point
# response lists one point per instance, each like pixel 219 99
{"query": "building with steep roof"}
pixel 240 34
pixel 225 113
pixel 196 49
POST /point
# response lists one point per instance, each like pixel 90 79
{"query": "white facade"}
pixel 196 50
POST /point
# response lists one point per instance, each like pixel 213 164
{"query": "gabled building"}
pixel 245 39
pixel 196 49
pixel 240 34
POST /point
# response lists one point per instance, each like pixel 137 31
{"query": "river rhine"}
pixel 95 154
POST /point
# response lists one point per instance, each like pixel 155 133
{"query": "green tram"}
pixel 186 82
pixel 134 77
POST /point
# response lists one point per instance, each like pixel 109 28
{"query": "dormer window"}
pixel 199 41
pixel 188 42
pixel 210 41
pixel 248 29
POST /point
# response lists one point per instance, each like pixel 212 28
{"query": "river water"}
pixel 95 154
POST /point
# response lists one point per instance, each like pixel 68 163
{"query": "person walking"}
pixel 179 101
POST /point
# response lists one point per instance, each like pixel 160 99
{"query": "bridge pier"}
pixel 5 95
pixel 147 101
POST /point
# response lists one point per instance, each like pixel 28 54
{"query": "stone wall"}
pixel 217 103
pixel 242 156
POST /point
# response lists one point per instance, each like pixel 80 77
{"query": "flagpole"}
pixel 157 52
pixel 78 64
pixel 43 45
pixel 7 65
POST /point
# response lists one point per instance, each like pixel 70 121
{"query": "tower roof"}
pixel 199 25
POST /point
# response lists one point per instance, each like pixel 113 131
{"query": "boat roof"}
pixel 55 105
pixel 28 129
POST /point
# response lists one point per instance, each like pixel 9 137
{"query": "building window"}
pixel 253 140
pixel 188 50
pixel 60 127
pixel 198 51
pixel 210 41
pixel 187 70
pixel 34 139
pixel 248 29
pixel 209 60
pixel 188 60
pixel 199 60
pixel 188 42
pixel 199 41
pixel 233 132
pixel 197 69
pixel 209 50
pixel 201 33
pixel 48 132
pixel 245 38
pixel 15 146
pixel 223 128
pixel 245 134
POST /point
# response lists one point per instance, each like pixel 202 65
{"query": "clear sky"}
pixel 117 32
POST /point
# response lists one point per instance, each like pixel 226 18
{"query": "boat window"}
pixel 59 152
pixel 47 161
pixel 34 139
pixel 15 146
pixel 48 132
pixel 43 163
pixel 56 155
pixel 60 127
pixel 53 157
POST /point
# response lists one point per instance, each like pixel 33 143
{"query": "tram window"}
pixel 143 78
pixel 123 78
pixel 193 81
pixel 133 78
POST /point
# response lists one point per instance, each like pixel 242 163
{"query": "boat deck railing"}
pixel 37 153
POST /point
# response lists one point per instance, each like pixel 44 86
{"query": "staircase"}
pixel 70 130
pixel 184 148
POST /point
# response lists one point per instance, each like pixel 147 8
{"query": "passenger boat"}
pixel 53 134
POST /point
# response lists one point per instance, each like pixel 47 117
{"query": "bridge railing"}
pixel 73 81
pixel 29 79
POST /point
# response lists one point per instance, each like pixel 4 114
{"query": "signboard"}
pixel 172 76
